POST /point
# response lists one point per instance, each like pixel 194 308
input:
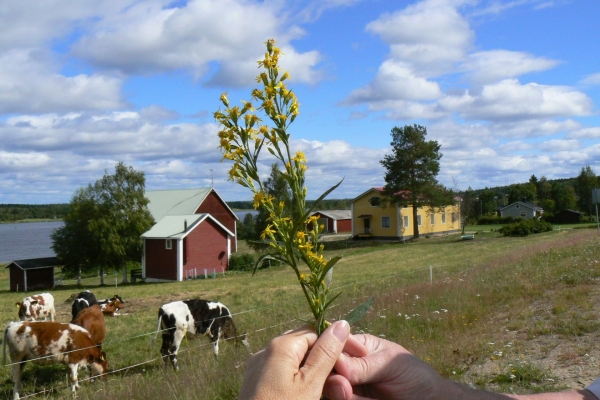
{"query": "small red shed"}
pixel 32 274
pixel 335 221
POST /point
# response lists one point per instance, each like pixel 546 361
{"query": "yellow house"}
pixel 371 219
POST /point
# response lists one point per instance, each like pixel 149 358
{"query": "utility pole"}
pixel 212 180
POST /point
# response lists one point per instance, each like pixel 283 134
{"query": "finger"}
pixel 325 352
pixel 355 347
pixel 338 388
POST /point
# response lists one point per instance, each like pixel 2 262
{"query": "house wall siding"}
pixel 206 249
pixel 214 206
pixel 362 206
pixel 161 263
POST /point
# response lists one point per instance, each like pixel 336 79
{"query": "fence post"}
pixel 205 275
pixel 430 274
pixel 214 273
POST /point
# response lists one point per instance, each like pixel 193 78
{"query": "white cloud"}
pixel 30 83
pixel 509 99
pixel 430 34
pixel 149 38
pixel 395 81
pixel 593 79
pixel 585 133
pixel 494 65
pixel 559 145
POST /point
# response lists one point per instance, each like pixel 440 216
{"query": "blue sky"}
pixel 509 88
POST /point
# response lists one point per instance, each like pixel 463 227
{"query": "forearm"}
pixel 453 390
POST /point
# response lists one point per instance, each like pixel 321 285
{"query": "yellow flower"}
pixel 299 157
pixel 258 199
pixel 285 76
pixel 267 232
pixel 224 99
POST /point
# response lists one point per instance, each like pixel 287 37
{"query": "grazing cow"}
pixel 111 307
pixel 49 343
pixel 92 320
pixel 83 300
pixel 196 317
pixel 36 307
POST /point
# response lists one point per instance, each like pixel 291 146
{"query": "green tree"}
pixel 564 197
pixel 110 216
pixel 522 192
pixel 277 187
pixel 585 182
pixel 411 171
pixel 73 243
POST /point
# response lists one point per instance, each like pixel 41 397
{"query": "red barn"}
pixel 335 221
pixel 195 234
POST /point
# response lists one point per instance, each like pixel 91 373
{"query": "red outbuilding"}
pixel 32 274
pixel 194 235
pixel 335 221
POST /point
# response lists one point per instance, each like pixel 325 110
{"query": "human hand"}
pixel 389 371
pixel 296 364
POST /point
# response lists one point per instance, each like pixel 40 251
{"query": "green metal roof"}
pixel 174 226
pixel 175 202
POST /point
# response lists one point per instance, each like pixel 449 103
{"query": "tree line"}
pixel 19 212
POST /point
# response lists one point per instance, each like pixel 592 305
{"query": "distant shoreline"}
pixel 25 221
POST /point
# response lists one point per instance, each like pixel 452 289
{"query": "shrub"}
pixel 495 220
pixel 525 227
pixel 241 262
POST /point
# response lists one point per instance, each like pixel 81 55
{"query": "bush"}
pixel 241 262
pixel 495 220
pixel 525 227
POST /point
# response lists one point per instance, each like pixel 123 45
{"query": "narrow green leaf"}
pixel 328 266
pixel 359 311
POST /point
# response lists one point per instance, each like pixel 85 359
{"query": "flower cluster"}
pixel 291 234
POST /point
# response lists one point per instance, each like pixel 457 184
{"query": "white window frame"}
pixel 454 217
pixel 168 244
pixel 406 221
pixel 418 220
pixel 389 222
pixel 432 219
pixel 444 217
pixel 523 214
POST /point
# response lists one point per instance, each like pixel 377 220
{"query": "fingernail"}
pixel 337 392
pixel 341 330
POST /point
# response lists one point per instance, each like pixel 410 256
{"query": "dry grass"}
pixel 494 305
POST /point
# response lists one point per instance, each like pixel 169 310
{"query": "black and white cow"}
pixel 83 300
pixel 202 317
pixel 50 343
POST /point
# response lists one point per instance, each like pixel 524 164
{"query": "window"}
pixel 374 201
pixel 168 244
pixel 523 214
pixel 418 220
pixel 405 206
pixel 443 217
pixel 405 221
pixel 432 219
pixel 453 217
pixel 385 222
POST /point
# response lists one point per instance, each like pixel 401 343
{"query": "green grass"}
pixel 436 296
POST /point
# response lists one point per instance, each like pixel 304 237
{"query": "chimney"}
pixel 185 225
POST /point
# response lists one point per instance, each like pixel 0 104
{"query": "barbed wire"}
pixel 191 348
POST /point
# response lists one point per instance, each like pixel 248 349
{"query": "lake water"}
pixel 26 240
pixel 32 239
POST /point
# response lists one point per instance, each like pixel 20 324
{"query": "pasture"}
pixel 510 314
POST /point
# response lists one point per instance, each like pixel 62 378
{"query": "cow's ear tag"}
pixel 18 305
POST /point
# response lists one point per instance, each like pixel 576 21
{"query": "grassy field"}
pixel 490 312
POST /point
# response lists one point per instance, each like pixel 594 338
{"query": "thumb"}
pixel 325 352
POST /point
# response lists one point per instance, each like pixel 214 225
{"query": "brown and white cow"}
pixel 50 343
pixel 111 307
pixel 92 320
pixel 37 307
pixel 195 317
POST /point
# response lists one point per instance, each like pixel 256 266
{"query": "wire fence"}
pixel 428 272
